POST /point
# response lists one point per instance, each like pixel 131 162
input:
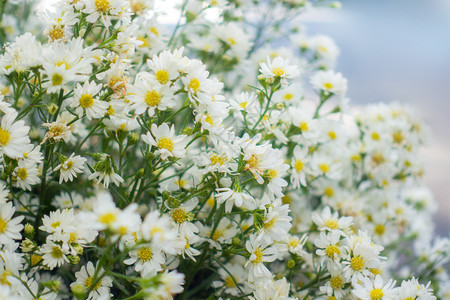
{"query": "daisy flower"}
pixel 374 289
pixel 298 176
pixel 26 174
pixel 330 82
pixel 279 68
pixel 84 100
pixel 261 251
pixel 13 135
pixel 4 192
pixel 165 65
pixel 70 167
pixel 54 255
pixel 331 222
pixel 148 260
pixel 57 131
pixel 10 227
pixel 99 285
pixel 171 284
pixel 230 197
pixel 163 138
pixel 148 95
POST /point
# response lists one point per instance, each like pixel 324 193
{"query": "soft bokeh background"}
pixel 399 50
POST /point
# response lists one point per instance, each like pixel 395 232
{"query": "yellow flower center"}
pixel 329 192
pixel 278 72
pixel 35 259
pixel 377 158
pixel 179 215
pixel 304 126
pixel 294 242
pixel 4 137
pixel 253 162
pixel 57 252
pixel 145 254
pixel 165 143
pixel 209 120
pixel 325 168
pixel 380 229
pixel 4 278
pixel 162 76
pixel 107 218
pixel 56 33
pixel 332 250
pixel 67 166
pixel 376 294
pixel 229 282
pixel 332 224
pixel 269 224
pixel 217 235
pixel 298 165
pixel 288 96
pixel 88 283
pixel 55 224
pixel 22 173
pixel 154 30
pixel 216 159
pixel 86 101
pixel 3 225
pixel 152 98
pixel 259 255
pixel 57 79
pixel 357 263
pixel 336 282
pixel 271 174
pixel 102 5
pixel 110 111
pixel 327 85
pixel 194 85
pixel 332 135
pixel 375 136
pixel 231 41
pixel 398 137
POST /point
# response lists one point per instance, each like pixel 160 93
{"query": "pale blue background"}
pixel 400 50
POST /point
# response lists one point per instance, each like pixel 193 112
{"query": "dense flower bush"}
pixel 202 160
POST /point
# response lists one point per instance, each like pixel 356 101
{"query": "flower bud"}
pixel 236 241
pixel 279 106
pixel 52 108
pixel 73 259
pixel 53 285
pixel 290 264
pixel 78 291
pixel 29 231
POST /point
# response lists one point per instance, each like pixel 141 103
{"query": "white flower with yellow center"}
pixel 10 227
pixel 147 95
pixel 70 167
pixel 97 282
pixel 335 286
pixel 105 10
pixel 165 65
pixel 13 135
pixel 261 251
pixel 85 100
pixel 58 220
pixel 331 222
pixel 26 173
pixel 54 255
pixel 329 247
pixel 374 289
pixel 148 259
pixel 163 138
pixel 230 280
pixel 299 166
pixel 279 68
pixel 276 222
pixel 330 82
pixel 161 230
pixel 57 131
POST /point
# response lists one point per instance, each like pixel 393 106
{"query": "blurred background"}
pixel 399 50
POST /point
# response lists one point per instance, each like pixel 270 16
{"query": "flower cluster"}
pixel 140 160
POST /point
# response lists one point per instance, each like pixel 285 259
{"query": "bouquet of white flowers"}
pixel 202 160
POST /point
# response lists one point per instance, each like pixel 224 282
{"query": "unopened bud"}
pixel 29 231
pixel 133 138
pixel 53 285
pixel 236 241
pixel 279 106
pixel 52 108
pixel 74 260
pixel 290 264
pixel 78 249
pixel 78 291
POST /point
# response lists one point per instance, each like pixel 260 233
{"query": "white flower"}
pixel 10 227
pixel 26 174
pixel 54 255
pixel 57 131
pixel 329 246
pixel 148 259
pixel 163 138
pixel 374 289
pixel 148 95
pixel 332 222
pixel 4 192
pixel 13 135
pixel 171 284
pixel 85 100
pixel 230 196
pixel 100 284
pixel 279 68
pixel 70 167
pixel 165 65
pixel 298 164
pixel 329 81
pixel 276 222
pixel 261 251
